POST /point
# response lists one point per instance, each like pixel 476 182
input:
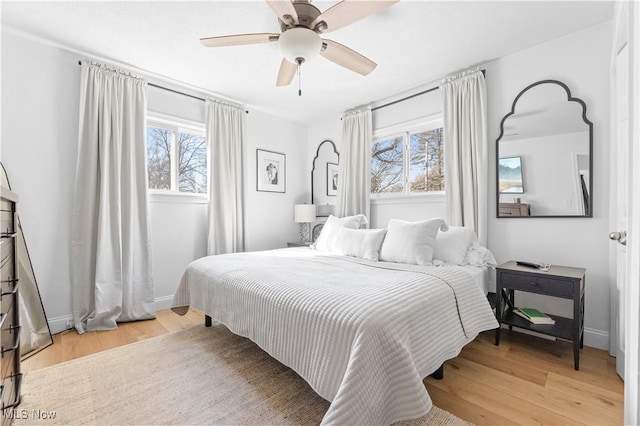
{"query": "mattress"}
pixel 482 277
pixel 363 334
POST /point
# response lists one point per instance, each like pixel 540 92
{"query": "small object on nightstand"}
pixel 556 281
pixel 542 266
pixel 299 244
pixel 534 316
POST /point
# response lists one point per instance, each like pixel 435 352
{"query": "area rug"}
pixel 194 376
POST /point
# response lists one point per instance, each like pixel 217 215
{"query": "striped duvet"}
pixel 363 334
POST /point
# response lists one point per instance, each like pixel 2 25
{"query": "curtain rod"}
pixel 413 96
pixel 174 91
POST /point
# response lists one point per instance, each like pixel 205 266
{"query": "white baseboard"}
pixel 60 324
pixel 596 339
pixel 163 302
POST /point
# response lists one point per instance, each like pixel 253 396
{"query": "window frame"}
pixel 405 130
pixel 177 125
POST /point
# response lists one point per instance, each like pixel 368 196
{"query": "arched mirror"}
pixel 545 155
pixel 324 178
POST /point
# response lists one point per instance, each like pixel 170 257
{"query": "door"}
pixel 625 213
pixel 620 165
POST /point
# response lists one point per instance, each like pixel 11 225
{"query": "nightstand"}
pixel 559 281
pixel 299 244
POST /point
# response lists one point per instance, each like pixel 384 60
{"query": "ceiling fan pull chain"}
pixel 299 79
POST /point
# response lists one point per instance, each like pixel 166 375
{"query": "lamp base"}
pixel 305 232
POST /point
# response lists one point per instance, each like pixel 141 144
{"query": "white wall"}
pixel 581 61
pixel 40 97
pixel 269 216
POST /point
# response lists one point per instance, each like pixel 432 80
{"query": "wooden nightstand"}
pixel 299 244
pixel 514 209
pixel 559 281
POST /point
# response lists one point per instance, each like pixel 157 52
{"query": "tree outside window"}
pixel 426 165
pixel 176 159
pixel 411 162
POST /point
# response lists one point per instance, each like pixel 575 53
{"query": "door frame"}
pixel 632 335
pixel 626 30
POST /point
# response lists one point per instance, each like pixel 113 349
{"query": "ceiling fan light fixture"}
pixel 300 45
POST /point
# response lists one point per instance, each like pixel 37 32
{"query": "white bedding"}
pixel 482 277
pixel 362 333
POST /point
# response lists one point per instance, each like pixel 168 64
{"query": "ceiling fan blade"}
pixel 347 12
pixel 348 58
pixel 285 11
pixel 286 73
pixel 239 39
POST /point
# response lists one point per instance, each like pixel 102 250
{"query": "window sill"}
pixel 409 199
pixel 177 197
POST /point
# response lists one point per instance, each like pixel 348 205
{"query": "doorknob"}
pixel 620 237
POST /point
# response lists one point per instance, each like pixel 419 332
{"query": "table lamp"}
pixel 304 214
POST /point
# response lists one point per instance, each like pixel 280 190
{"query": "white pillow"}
pixel 327 237
pixel 362 243
pixel 452 245
pixel 480 256
pixel 411 242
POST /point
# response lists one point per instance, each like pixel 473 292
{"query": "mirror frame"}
pixel 313 169
pixel 586 120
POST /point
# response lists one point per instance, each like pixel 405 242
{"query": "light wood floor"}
pixel 526 380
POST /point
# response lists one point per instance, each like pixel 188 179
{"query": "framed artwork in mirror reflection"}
pixel 332 179
pixel 510 175
pixel 270 171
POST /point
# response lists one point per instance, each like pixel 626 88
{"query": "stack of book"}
pixel 534 316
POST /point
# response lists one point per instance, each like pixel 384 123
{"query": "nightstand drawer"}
pixel 534 284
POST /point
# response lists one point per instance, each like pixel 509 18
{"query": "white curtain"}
pixel 354 176
pixel 110 244
pixel 466 151
pixel 226 134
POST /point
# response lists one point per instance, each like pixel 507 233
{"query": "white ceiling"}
pixel 413 42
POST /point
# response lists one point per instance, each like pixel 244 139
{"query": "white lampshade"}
pixel 300 43
pixel 304 213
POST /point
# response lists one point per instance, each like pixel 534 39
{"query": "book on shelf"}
pixel 534 316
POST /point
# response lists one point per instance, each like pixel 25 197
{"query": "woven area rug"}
pixel 194 376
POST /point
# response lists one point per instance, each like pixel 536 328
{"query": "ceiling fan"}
pixel 300 42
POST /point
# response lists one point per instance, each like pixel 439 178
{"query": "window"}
pixel 176 156
pixel 409 161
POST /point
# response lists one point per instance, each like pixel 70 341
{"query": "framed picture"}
pixel 271 171
pixel 510 175
pixel 332 179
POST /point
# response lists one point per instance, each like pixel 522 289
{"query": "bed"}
pixel 363 333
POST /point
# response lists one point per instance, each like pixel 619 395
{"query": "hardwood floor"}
pixel 526 380
pixel 69 345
